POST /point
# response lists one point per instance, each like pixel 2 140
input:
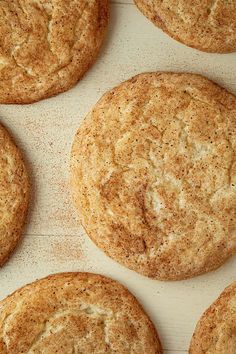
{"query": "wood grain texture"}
pixel 44 131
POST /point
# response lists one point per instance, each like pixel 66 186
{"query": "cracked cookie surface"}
pixel 153 173
pixel 14 195
pixel 208 25
pixel 76 313
pixel 216 331
pixel 47 45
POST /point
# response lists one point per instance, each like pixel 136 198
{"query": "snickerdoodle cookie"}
pixel 78 313
pixel 14 195
pixel 47 45
pixel 154 174
pixel 208 25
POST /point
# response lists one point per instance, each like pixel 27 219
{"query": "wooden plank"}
pixel 174 307
pixel 45 130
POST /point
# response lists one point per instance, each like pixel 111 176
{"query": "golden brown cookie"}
pixel 208 25
pixel 14 195
pixel 78 313
pixel 47 45
pixel 154 174
pixel 216 330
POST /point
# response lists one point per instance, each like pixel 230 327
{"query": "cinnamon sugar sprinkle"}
pixel 68 249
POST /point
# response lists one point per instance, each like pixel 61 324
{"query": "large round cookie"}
pixel 47 45
pixel 14 195
pixel 78 313
pixel 153 173
pixel 216 331
pixel 203 24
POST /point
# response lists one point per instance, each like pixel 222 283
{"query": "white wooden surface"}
pixel 53 239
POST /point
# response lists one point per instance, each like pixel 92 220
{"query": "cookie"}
pixel 14 195
pixel 206 25
pixel 216 331
pixel 153 174
pixel 75 313
pixel 47 46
